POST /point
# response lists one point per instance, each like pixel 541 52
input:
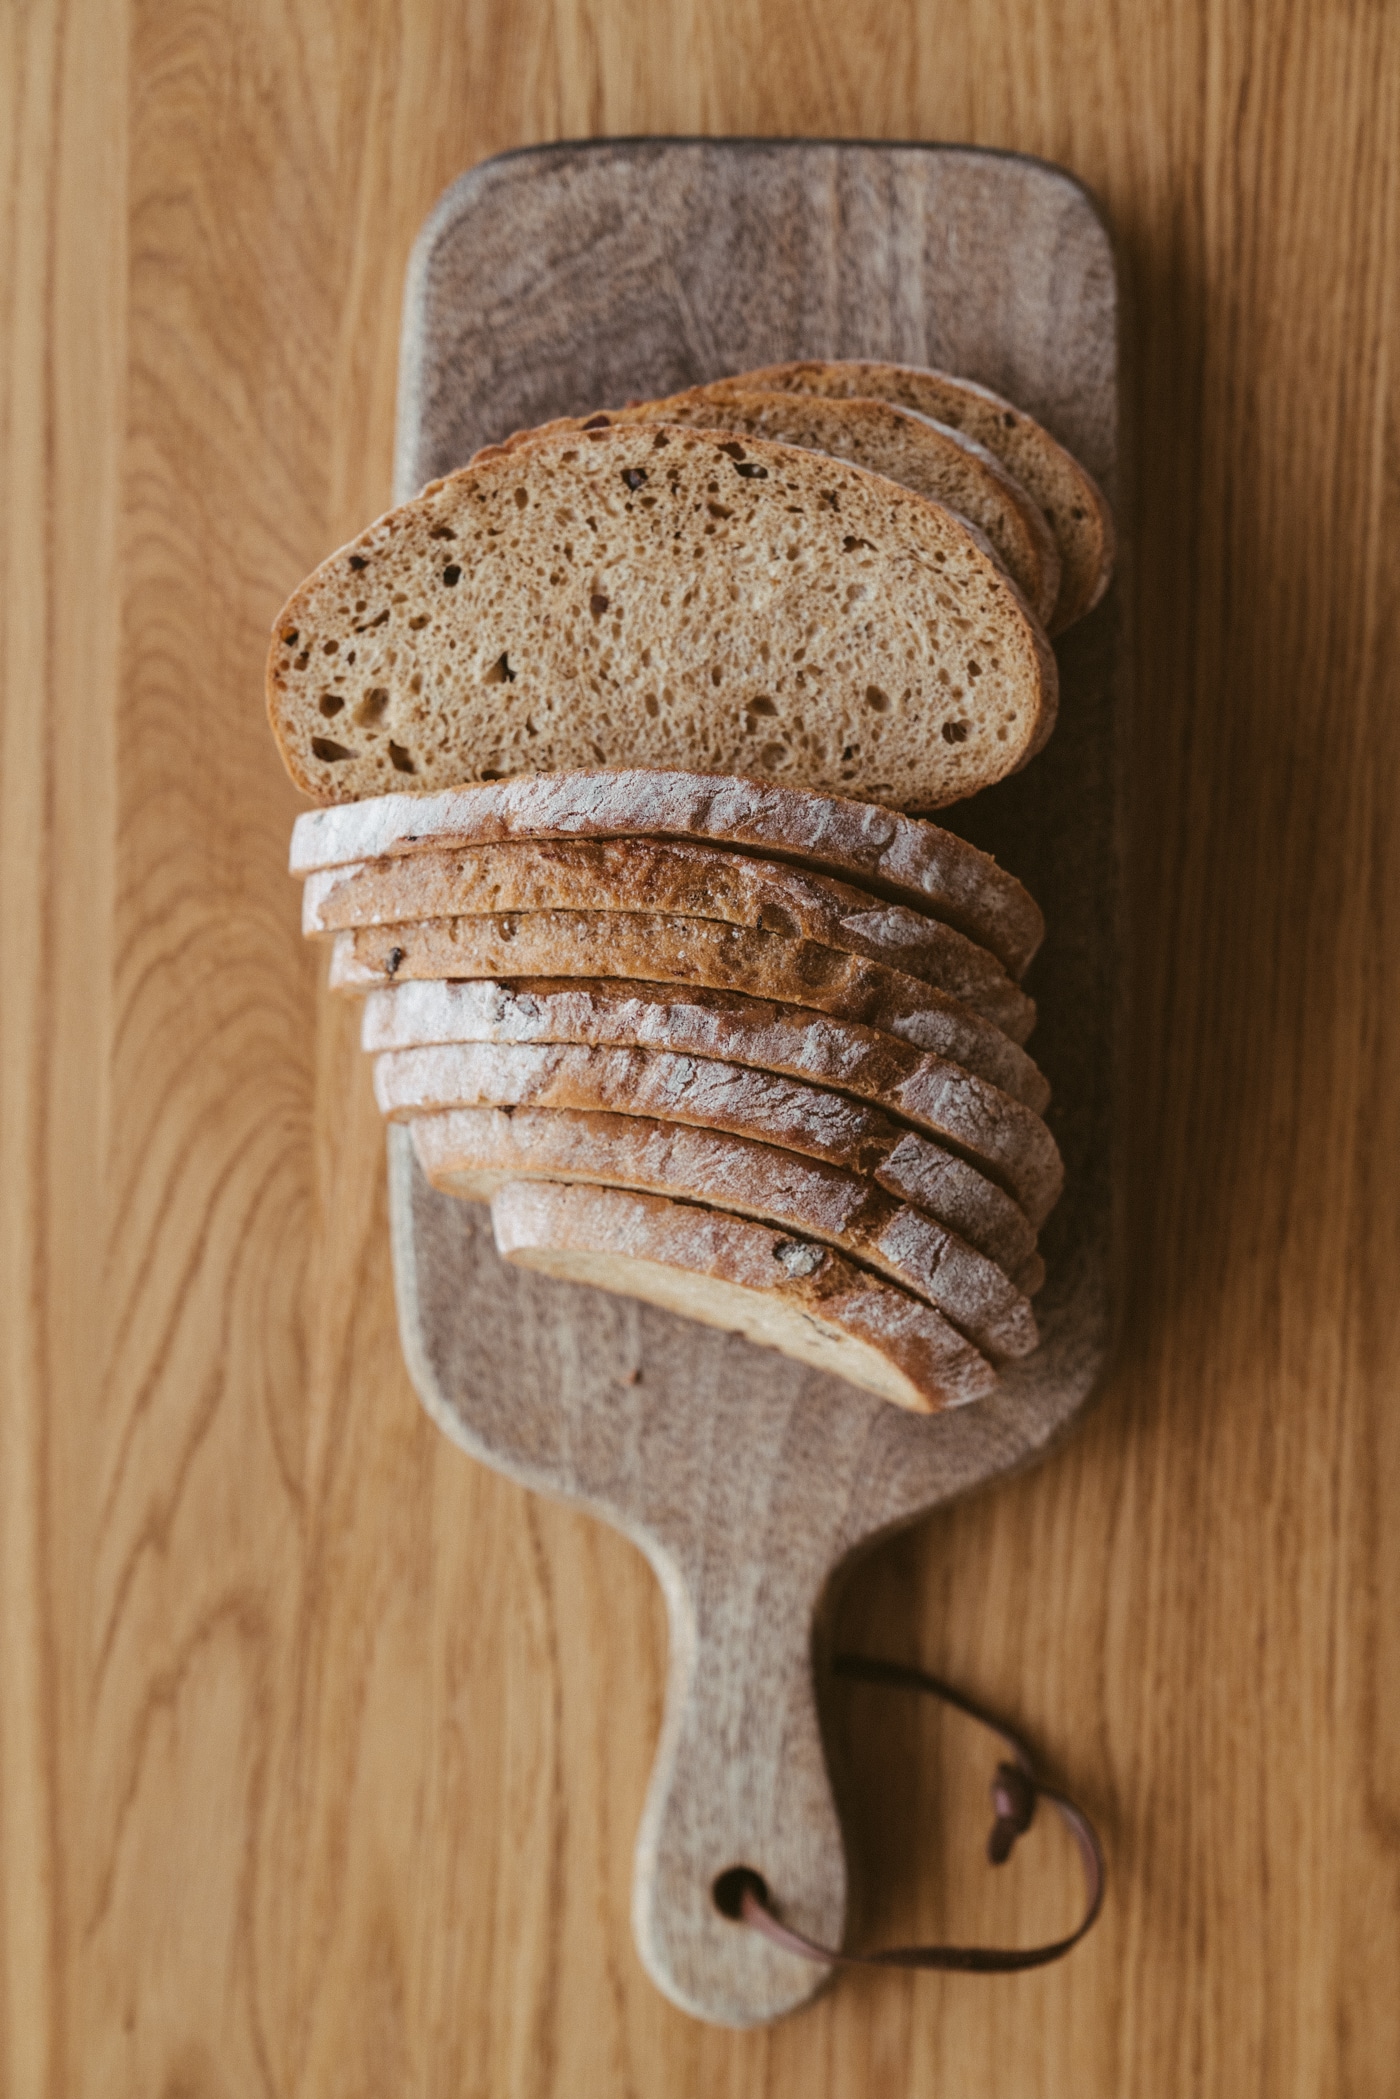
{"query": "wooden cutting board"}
pixel 563 279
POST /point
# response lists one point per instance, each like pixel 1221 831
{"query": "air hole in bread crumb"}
pixel 877 701
pixel 752 471
pixel 332 753
pixel 330 648
pixel 371 708
pixel 418 622
pixel 330 704
pixel 774 754
pixel 850 543
pixel 652 705
pixel 956 732
pixel 402 762
pixel 392 961
pixel 500 672
pixel 598 604
pixel 762 705
pixel 634 476
pixel 442 532
pixel 451 575
pixel 358 561
pixel 289 639
pixel 522 497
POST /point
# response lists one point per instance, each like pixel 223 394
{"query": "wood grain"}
pixel 311 1768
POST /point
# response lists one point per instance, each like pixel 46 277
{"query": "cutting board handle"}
pixel 740 1779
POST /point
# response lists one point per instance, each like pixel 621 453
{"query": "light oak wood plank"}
pixel 323 1751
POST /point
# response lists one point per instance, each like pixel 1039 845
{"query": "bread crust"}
pixel 1066 492
pixel 652 948
pixel 669 595
pixel 1004 1143
pixel 779 1292
pixel 904 858
pixel 683 880
pixel 470 1151
pixel 929 457
pixel 711 1095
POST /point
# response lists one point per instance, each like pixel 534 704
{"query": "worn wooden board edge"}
pixel 903 1466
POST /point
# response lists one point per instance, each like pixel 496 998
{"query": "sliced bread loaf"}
pixel 1068 496
pixel 670 597
pixel 695 1090
pixel 929 457
pixel 978 1123
pixel 470 1151
pixel 654 948
pixel 784 1293
pixel 910 861
pixel 689 881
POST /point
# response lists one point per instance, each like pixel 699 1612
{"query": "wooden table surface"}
pixel 323 1749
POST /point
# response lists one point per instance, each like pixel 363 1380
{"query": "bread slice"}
pixel 921 454
pixel 689 881
pixel 654 948
pixel 977 1122
pixel 668 597
pixel 696 1090
pixel 1068 496
pixel 470 1151
pixel 783 1293
pixel 901 857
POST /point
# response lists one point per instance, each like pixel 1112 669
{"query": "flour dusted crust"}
pixel 776 1291
pixel 665 596
pixel 670 1087
pixel 470 1151
pixel 1068 496
pixel 981 1124
pixel 907 859
pixel 685 880
pixel 985 1128
pixel 926 456
pixel 655 948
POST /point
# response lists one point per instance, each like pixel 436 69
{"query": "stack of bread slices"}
pixel 625 724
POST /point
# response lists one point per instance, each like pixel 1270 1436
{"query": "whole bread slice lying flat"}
pixel 670 597
pixel 1068 496
pixel 689 881
pixel 901 857
pixel 921 454
pixel 783 1293
pixel 470 1151
pixel 670 1088
pixel 979 1124
pixel 656 949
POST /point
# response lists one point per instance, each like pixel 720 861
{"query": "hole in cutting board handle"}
pixel 730 1887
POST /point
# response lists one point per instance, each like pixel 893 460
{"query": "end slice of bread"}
pixel 901 857
pixel 1067 493
pixel 919 453
pixel 776 1291
pixel 665 597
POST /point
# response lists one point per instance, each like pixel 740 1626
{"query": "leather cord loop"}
pixel 1015 1792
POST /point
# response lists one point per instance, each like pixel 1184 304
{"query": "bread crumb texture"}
pixel 658 596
